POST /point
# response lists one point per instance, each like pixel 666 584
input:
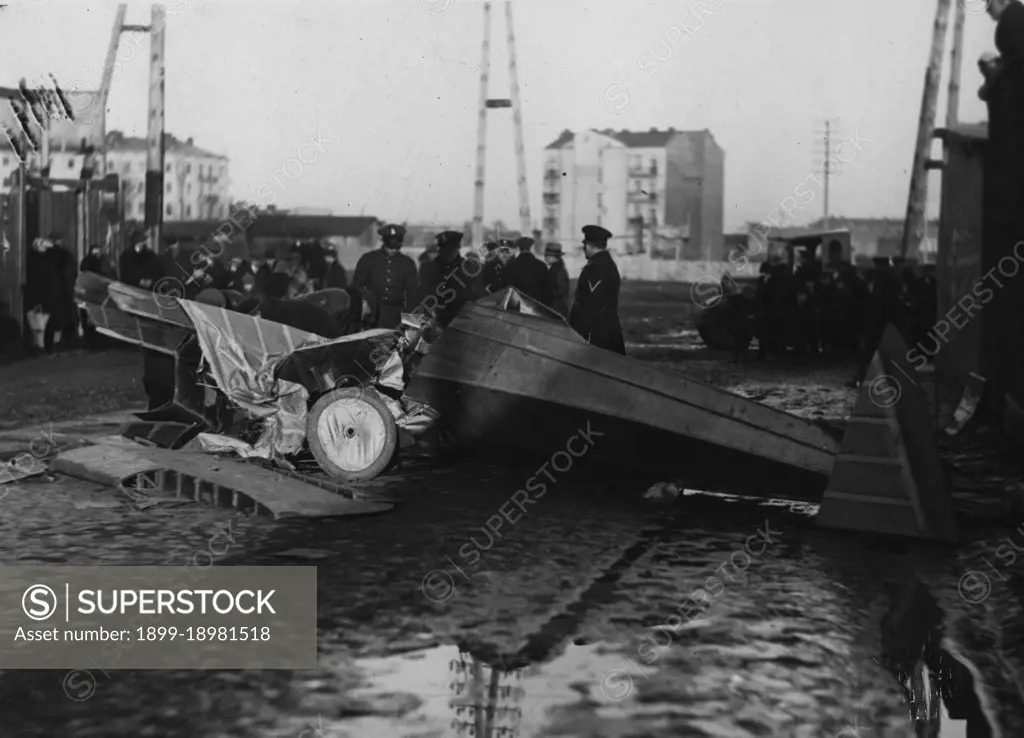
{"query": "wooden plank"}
pixel 905 465
pixel 250 485
pixel 511 359
pixel 625 372
pixel 869 436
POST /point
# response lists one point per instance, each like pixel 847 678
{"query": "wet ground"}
pixel 570 623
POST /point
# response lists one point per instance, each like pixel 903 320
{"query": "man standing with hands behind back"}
pixel 595 311
pixel 391 276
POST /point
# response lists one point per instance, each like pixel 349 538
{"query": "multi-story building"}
pixel 655 191
pixel 195 180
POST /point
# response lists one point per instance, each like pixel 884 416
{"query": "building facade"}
pixel 195 181
pixel 661 192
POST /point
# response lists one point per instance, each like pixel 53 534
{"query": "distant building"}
pixel 882 236
pixel 659 191
pixel 195 180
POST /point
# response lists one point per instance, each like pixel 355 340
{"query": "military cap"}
pixel 552 249
pixel 880 261
pixel 392 233
pixel 449 241
pixel 524 243
pixel 898 261
pixel 596 235
pixel 506 243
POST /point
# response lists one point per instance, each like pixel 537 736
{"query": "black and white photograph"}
pixel 512 369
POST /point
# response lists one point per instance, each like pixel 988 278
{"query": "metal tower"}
pixel 517 118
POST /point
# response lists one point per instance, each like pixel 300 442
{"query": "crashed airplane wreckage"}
pixel 507 371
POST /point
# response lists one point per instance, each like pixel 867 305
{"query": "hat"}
pixel 880 261
pixel 392 233
pixel 596 235
pixel 552 249
pixel 524 243
pixel 449 241
pixel 506 243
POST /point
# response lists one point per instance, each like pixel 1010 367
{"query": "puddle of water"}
pixel 459 695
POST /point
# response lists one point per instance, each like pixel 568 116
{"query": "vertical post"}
pixel 828 148
pixel 913 228
pixel 104 91
pixel 155 159
pixel 481 132
pixel 956 63
pixel 517 121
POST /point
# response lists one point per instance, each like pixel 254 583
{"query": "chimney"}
pixel 189 140
pixel 654 130
pixel 671 130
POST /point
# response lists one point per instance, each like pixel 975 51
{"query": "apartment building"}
pixel 661 192
pixel 195 180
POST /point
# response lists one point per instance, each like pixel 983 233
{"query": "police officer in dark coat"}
pixel 558 278
pixel 527 273
pixel 447 277
pixel 391 276
pixel 595 311
pixel 493 276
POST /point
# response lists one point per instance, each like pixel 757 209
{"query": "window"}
pixel 188 169
pixel 635 161
pixel 600 202
pixel 6 160
pixel 71 163
pixel 168 169
pixel 188 188
pixel 142 210
pixel 168 188
pixel 188 211
pixel 126 167
pixel 654 165
pixel 170 210
pixel 600 173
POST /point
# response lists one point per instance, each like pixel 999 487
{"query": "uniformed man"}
pixel 493 277
pixel 446 277
pixel 391 276
pixel 527 273
pixel 595 311
pixel 558 278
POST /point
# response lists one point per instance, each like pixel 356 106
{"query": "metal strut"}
pixel 512 102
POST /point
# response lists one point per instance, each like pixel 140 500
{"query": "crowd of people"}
pixel 837 313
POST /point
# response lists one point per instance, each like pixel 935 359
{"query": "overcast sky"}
pixel 393 88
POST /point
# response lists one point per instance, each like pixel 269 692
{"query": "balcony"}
pixel 642 171
pixel 552 174
pixel 550 224
pixel 641 196
pixel 551 198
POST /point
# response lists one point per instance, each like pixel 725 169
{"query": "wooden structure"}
pixel 888 477
pixel 959 261
pixel 503 376
pixel 914 228
pixel 206 478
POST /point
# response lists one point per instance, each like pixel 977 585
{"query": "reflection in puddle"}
pixel 458 694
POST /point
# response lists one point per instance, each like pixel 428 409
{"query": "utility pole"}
pixel 913 227
pixel 517 119
pixel 155 133
pixel 828 149
pixel 956 63
pixel 481 133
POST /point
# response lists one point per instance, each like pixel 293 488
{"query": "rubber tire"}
pixel 356 395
